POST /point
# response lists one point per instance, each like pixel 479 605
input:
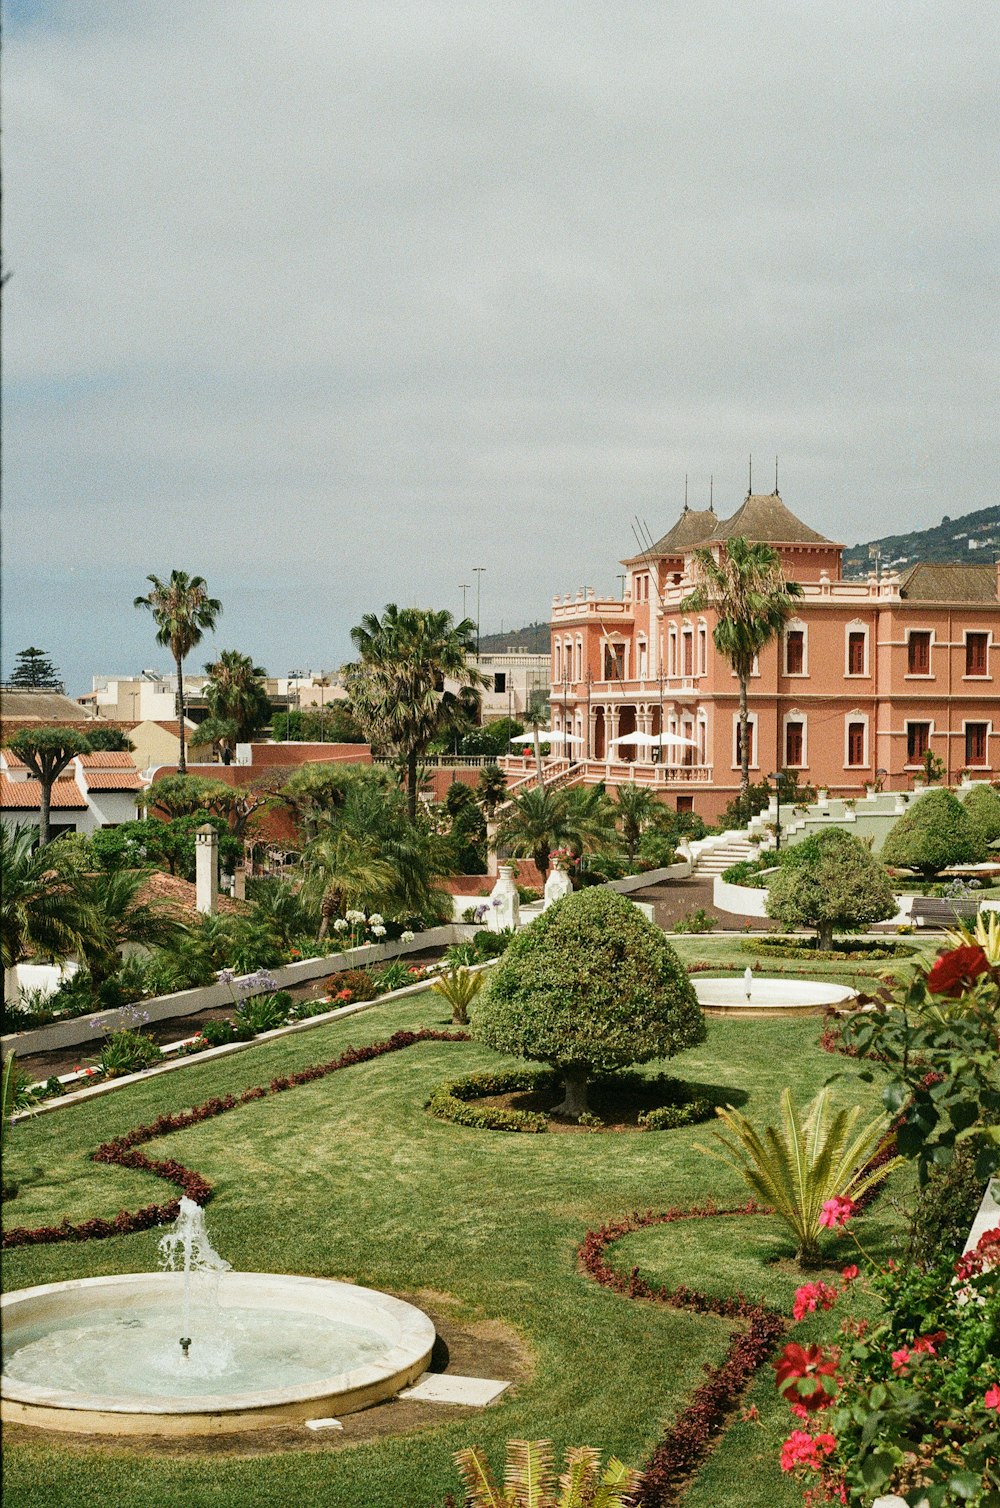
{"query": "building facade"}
pixel 868 675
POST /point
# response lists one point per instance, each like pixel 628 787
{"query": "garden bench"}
pixel 941 911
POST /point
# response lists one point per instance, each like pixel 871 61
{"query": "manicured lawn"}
pixel 349 1177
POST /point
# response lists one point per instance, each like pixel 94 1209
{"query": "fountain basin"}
pixel 769 997
pixel 102 1355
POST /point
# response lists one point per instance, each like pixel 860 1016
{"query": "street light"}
pixel 463 587
pixel 477 571
pixel 775 775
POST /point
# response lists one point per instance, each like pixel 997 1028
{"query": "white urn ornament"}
pixel 504 911
pixel 557 885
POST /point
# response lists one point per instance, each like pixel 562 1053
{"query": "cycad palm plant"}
pixel 807 1161
pixel 182 611
pixel 459 986
pixel 530 1479
pixel 120 917
pixel 746 588
pixel 41 909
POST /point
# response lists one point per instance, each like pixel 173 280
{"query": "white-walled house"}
pixel 94 791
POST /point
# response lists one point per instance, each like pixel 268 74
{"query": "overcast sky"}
pixel 331 302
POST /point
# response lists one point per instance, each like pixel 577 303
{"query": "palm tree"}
pixel 236 695
pixel 397 686
pixel 183 611
pixel 744 585
pixel 41 910
pixel 637 812
pixel 120 916
pixel 542 818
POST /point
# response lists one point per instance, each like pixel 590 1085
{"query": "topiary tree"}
pixel 982 807
pixel 590 987
pixel 828 881
pixel 934 834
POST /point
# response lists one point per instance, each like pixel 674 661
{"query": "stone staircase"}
pixel 730 849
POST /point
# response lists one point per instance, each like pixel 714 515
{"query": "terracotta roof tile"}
pixel 25 795
pixel 107 759
pixel 113 780
pixel 177 896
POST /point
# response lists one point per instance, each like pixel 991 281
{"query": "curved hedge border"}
pixel 451 1101
pixel 688 1441
pixel 121 1150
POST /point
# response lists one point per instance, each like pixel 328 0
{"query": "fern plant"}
pixel 799 1166
pixel 459 986
pixel 530 1479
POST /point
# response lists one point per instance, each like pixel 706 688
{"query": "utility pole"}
pixel 463 588
pixel 477 571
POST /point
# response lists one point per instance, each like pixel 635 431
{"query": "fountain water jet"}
pixel 188 1245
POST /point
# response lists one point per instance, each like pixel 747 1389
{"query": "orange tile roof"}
pixel 107 759
pixel 113 780
pixel 26 796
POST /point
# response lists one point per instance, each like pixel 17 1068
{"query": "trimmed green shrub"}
pixel 451 1101
pixel 218 1033
pixel 490 944
pixel 982 807
pixel 933 835
pixel 830 880
pixel 672 1117
pixel 590 987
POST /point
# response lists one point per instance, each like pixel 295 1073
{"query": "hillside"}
pixel 973 538
pixel 531 640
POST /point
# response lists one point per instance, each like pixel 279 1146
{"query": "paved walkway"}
pixel 673 899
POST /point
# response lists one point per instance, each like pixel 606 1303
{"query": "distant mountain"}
pixel 531 640
pixel 973 538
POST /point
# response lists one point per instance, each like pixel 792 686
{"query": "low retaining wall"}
pixel 742 900
pixel 189 1002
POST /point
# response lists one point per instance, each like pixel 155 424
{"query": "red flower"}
pixel 956 970
pixel 813 1296
pixel 799 1373
pixel 992 1398
pixel 342 995
pixel 836 1211
pixel 849 1273
pixel 900 1359
pixel 803 1449
pixel 928 1344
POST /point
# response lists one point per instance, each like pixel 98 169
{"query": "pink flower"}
pixel 813 1296
pixel 836 1211
pixel 928 1344
pixel 803 1449
pixel 849 1273
pixel 900 1359
pixel 992 1398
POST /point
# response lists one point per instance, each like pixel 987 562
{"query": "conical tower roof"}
pixel 694 527
pixel 764 519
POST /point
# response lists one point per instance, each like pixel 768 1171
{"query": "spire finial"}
pixel 711 494
pixel 685 492
pixel 750 481
pixel 776 476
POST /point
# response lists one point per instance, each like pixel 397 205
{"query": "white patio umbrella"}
pixel 675 741
pixel 646 740
pixel 547 736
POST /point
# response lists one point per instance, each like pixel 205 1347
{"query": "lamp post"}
pixel 477 571
pixel 775 775
pixel 463 587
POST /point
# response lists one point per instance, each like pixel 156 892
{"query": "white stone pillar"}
pixel 240 883
pixel 206 849
pixel 504 913
pixel 557 885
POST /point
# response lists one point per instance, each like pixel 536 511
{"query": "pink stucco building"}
pixel 868 674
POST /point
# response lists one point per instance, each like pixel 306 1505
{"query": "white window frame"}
pixel 701 725
pixel 965 652
pixel 672 650
pixel 907 722
pixel 687 634
pixel 557 661
pixel 642 657
pixel 856 627
pixel 856 717
pixel 978 722
pixel 795 716
pixel 920 675
pixel 702 647
pixel 795 626
pixel 755 741
pixel 579 658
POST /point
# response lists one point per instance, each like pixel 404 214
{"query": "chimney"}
pixel 206 848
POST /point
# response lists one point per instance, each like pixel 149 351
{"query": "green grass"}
pixel 349 1177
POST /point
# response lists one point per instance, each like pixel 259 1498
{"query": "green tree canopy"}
pixel 982 807
pixel 589 987
pixel 182 611
pixel 109 738
pixel 542 818
pixel 34 671
pixel 179 795
pixel 745 586
pixel 47 752
pixel 331 723
pixel 830 881
pixel 236 694
pixel 41 910
pixel 397 687
pixel 935 833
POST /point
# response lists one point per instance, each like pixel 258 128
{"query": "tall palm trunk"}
pixel 182 762
pixel 744 741
pixel 538 757
pixel 411 784
pixel 44 809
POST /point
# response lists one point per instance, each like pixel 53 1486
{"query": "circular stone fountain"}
pixel 750 996
pixel 104 1355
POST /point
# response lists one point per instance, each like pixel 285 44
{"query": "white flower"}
pixel 406 936
pixel 354 917
pixel 375 920
pixel 378 931
pixel 340 925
